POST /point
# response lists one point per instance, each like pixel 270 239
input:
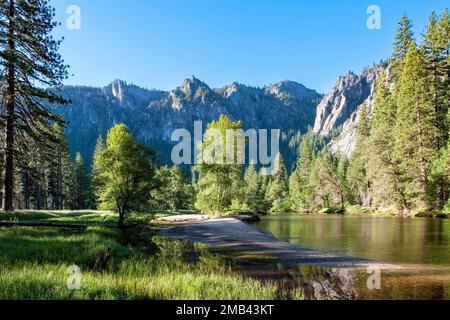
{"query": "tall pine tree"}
pixel 357 171
pixel 82 190
pixel 403 40
pixel 416 132
pixel 298 182
pixel 30 61
pixel 383 170
pixel 278 189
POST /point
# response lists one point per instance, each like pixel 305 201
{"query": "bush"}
pixel 447 207
pixel 339 210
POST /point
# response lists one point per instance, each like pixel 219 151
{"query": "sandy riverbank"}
pixel 247 242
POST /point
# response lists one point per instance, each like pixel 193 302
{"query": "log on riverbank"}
pixel 7 224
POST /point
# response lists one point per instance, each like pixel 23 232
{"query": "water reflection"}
pixel 392 240
pixel 420 246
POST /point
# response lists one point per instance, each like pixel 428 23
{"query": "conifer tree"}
pixel 254 198
pixel 298 182
pixel 29 61
pixel 278 189
pixel 60 170
pixel 416 132
pixel 444 31
pixel 357 176
pixel 82 184
pixel 383 170
pixel 403 40
pixel 435 46
pixel 95 180
pixel 440 179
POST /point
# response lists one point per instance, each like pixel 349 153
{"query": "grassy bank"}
pixel 134 264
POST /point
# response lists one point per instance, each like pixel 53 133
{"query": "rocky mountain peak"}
pixel 152 116
pixel 292 89
pixel 194 87
pixel 117 89
pixel 340 109
pixel 347 95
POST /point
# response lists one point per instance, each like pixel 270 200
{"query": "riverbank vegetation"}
pixel 39 263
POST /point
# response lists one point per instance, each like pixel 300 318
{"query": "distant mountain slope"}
pixel 339 109
pixel 153 115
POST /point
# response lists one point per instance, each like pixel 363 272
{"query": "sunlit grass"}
pixel 114 265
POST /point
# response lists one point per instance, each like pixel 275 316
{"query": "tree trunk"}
pixel 26 195
pixel 120 224
pixel 8 180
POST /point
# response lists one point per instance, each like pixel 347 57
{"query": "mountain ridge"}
pixel 152 115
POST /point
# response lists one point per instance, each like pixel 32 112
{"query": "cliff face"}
pixel 153 115
pixel 339 110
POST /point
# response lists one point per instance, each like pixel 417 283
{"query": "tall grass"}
pixel 114 265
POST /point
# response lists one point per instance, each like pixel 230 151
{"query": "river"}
pixel 420 246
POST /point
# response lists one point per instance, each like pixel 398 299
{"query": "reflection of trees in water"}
pixel 326 284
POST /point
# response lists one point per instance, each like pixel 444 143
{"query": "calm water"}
pixel 420 246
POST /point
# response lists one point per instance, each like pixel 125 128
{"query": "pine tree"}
pixel 403 40
pixel 278 189
pixel 96 181
pixel 356 173
pixel 60 172
pixel 416 132
pixel 444 31
pixel 383 170
pixel 82 184
pixel 440 178
pixel 254 198
pixel 434 46
pixel 30 61
pixel 298 182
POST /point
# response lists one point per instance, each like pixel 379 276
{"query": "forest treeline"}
pixel 401 160
pixel 402 157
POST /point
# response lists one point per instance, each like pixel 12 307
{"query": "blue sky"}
pixel 158 43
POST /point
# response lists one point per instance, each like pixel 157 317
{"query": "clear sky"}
pixel 158 43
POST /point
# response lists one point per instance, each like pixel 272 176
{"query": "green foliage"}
pixel 45 175
pixel 415 132
pixel 383 169
pixel 401 162
pixel 30 64
pixel 254 191
pixel 403 41
pixel 356 171
pixel 114 266
pixel 325 182
pixel 95 177
pixel 298 182
pixel 173 191
pixel 278 189
pixel 439 184
pixel 82 187
pixel 219 182
pixel 125 174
